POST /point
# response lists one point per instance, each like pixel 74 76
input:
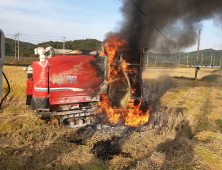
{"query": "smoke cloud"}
pixel 179 21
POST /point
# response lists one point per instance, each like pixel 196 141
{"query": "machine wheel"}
pixel 70 121
pixel 79 121
pixel 88 120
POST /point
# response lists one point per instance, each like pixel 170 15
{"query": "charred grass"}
pixel 30 143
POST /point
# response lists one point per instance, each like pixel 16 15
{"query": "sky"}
pixel 40 21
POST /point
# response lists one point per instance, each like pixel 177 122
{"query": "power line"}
pixel 41 39
pixel 36 39
pixel 41 35
pixel 64 42
pixel 46 36
pixel 155 26
pixel 46 39
pixel 23 40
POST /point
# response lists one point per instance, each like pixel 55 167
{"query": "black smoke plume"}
pixel 178 20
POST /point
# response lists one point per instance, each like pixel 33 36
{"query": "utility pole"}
pixel 187 58
pixel 197 68
pixel 202 59
pixel 211 61
pixel 15 45
pixel 147 59
pixel 214 61
pixel 64 43
pixel 18 44
pixel 156 59
pixel 179 60
pixel 220 62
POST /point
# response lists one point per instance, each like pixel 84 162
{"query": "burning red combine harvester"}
pixel 80 86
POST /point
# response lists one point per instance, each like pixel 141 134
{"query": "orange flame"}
pixel 131 114
pixel 112 46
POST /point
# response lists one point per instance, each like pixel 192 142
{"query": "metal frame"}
pixel 68 112
pixel 140 77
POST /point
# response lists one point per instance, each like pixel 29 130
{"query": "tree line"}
pixel 27 49
pixel 174 58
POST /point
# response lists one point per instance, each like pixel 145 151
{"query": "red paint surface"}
pixel 29 87
pixel 40 78
pixel 60 67
pixel 71 99
pixel 52 74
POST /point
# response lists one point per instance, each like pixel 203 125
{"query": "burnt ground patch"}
pixel 108 142
pixel 81 135
pixel 108 149
pixel 105 140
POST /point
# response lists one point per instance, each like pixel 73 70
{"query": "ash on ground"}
pixel 108 141
pixel 161 122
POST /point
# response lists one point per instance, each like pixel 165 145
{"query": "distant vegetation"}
pixel 172 59
pixel 27 49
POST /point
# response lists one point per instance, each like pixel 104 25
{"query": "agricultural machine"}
pixel 69 83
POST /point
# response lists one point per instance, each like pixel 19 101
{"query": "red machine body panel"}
pixel 73 79
pixel 29 87
pixel 74 99
pixel 40 79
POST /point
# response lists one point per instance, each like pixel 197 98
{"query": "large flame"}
pixel 131 114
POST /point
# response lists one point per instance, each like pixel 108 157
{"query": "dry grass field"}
pixel 30 143
pixel 177 72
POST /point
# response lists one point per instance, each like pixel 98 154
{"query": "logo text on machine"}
pixel 69 80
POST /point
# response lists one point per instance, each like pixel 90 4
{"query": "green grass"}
pixel 205 125
pixel 219 123
pixel 9 165
pixel 207 107
pixel 183 166
pixel 175 77
pixel 212 160
pixel 211 78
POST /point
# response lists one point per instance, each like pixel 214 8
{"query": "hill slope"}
pixel 27 49
pixel 217 54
